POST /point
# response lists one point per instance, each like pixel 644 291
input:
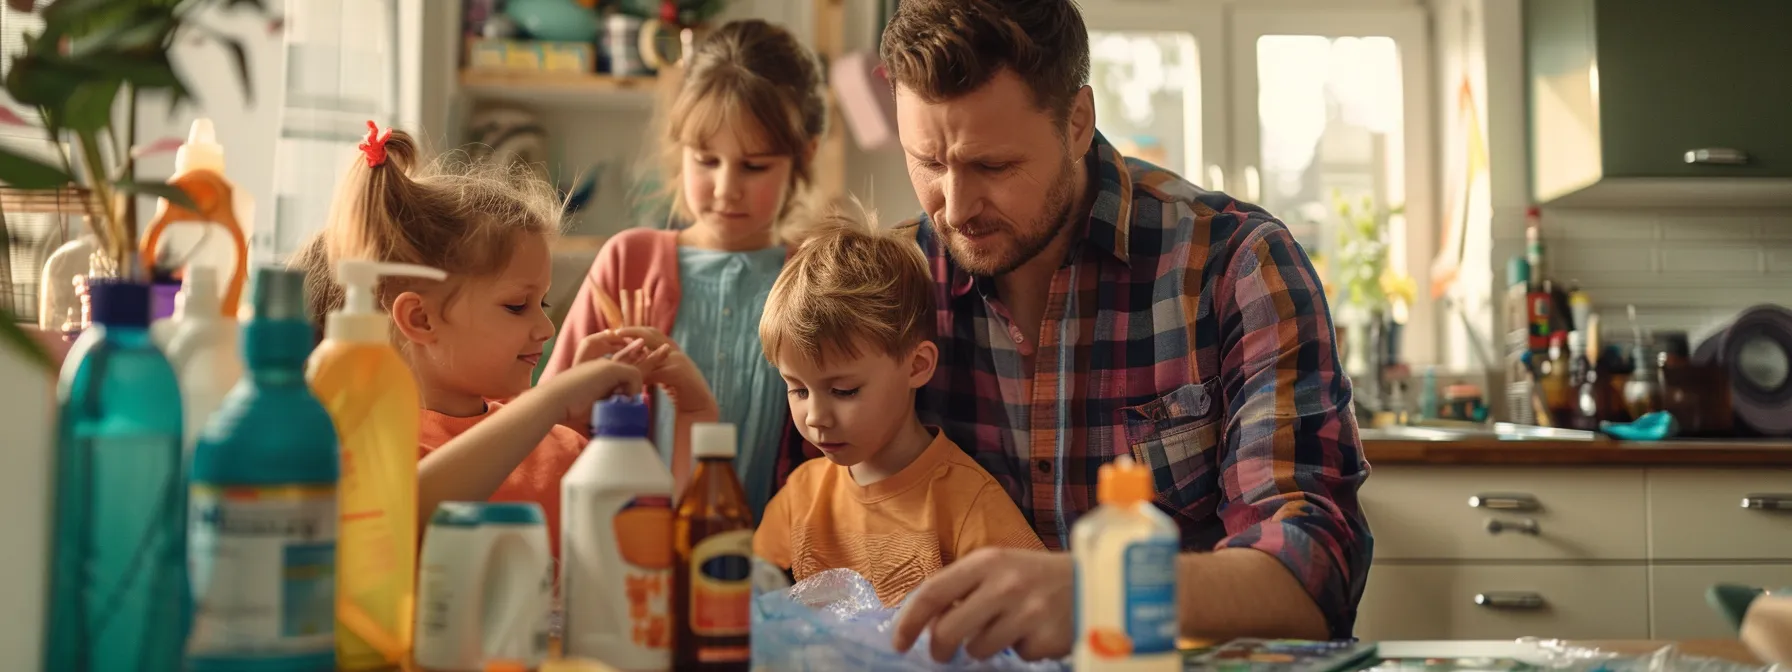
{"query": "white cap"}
pixel 358 320
pixel 202 151
pixel 198 292
pixel 713 439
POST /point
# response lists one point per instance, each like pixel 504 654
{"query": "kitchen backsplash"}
pixel 1683 269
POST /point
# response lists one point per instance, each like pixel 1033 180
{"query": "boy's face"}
pixel 852 407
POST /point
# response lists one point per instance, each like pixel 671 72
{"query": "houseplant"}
pixel 90 57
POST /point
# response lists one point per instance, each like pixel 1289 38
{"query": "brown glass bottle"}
pixel 712 535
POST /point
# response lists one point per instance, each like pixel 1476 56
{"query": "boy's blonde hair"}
pixel 461 217
pixel 849 282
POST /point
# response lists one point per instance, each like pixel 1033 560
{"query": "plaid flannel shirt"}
pixel 1190 331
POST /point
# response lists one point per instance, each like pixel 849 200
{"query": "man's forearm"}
pixel 1242 592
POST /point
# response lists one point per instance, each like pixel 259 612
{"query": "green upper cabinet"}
pixel 1660 101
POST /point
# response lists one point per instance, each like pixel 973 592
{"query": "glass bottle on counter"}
pixel 1591 392
pixel 1697 396
pixel 1642 393
pixel 1553 378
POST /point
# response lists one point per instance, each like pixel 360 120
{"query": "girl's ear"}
pixel 416 319
pixel 921 363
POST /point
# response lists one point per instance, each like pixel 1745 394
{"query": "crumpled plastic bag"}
pixel 833 621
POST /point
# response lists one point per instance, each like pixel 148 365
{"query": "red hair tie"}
pixel 374 147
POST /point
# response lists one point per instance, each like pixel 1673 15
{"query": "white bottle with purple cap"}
pixel 616 544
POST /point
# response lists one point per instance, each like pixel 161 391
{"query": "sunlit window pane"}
pixel 1148 96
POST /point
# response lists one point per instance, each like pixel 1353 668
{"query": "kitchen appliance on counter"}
pixel 1755 351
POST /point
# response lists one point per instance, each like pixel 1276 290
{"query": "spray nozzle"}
pixel 358 277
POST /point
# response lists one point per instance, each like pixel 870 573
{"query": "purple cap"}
pixel 119 303
pixel 620 416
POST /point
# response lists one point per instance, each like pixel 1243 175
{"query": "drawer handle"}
pixel 1527 526
pixel 1505 502
pixel 1723 156
pixel 1767 502
pixel 1526 601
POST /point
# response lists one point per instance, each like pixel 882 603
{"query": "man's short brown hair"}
pixel 850 284
pixel 943 49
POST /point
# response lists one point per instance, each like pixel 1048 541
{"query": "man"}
pixel 1093 307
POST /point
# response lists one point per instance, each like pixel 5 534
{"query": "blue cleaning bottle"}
pixel 263 526
pixel 118 574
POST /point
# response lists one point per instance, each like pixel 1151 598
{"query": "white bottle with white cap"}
pixel 203 350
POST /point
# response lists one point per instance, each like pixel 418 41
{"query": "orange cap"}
pixel 1123 482
pixel 505 666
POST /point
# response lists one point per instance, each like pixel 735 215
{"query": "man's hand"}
pixel 991 600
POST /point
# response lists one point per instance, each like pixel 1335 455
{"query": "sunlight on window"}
pixel 1148 96
pixel 1332 128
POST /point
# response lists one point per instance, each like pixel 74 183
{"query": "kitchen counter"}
pixel 1599 452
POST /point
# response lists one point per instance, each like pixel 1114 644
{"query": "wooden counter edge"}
pixel 1602 452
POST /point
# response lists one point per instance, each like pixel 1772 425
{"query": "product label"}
pixel 721 588
pixel 1149 602
pixel 643 528
pixel 264 570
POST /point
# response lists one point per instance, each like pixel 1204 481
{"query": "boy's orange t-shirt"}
pixel 894 532
pixel 537 479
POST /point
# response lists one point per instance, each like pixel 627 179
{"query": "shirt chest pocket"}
pixel 1175 435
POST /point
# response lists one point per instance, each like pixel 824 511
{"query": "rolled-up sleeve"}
pixel 1292 462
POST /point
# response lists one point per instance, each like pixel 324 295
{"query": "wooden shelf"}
pixel 562 90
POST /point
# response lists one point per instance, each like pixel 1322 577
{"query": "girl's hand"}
pixel 664 365
pixel 583 385
pixel 598 346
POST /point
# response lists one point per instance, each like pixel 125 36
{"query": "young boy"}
pixel 850 324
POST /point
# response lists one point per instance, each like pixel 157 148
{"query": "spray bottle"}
pixel 373 400
pixel 199 173
pixel 263 522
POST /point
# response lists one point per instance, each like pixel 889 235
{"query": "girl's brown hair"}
pixel 750 67
pixel 461 217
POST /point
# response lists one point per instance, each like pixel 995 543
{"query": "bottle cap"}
pixel 198 292
pixel 1123 482
pixel 1672 343
pixel 713 440
pixel 116 302
pixel 202 151
pixel 620 416
pixel 279 294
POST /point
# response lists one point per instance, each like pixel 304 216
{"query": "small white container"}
pixel 1125 557
pixel 485 587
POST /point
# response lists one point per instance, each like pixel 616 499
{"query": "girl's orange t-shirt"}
pixel 537 479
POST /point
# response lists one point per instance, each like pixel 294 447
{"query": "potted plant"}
pixel 90 56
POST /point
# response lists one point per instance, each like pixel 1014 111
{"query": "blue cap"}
pixel 619 416
pixel 512 513
pixel 118 303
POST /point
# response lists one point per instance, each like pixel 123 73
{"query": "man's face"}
pixel 993 172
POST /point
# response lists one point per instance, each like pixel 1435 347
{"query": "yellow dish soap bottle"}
pixel 372 398
pixel 1125 557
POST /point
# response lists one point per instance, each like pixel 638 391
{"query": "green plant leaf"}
pixel 13 336
pixel 25 172
pixel 89 108
pixel 42 81
pixel 157 189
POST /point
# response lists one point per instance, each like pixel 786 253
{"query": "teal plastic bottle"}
pixel 118 574
pixel 263 527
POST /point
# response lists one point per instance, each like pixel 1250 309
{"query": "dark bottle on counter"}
pixel 1697 396
pixel 1583 379
pixel 1554 380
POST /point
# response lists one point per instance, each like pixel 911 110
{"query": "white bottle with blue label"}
pixel 1125 557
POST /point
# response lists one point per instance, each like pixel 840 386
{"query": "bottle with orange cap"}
pixel 1124 552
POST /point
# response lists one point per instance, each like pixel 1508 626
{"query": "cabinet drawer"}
pixel 1425 602
pixel 1424 513
pixel 1677 596
pixel 1699 515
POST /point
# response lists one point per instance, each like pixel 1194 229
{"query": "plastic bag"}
pixel 834 621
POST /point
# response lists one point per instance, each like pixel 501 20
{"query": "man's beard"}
pixel 1028 242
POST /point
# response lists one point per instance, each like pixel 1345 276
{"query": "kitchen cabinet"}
pixel 1487 552
pixel 1663 101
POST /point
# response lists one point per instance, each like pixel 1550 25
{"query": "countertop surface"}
pixel 1595 452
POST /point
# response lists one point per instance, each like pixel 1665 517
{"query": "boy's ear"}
pixel 416 319
pixel 921 363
